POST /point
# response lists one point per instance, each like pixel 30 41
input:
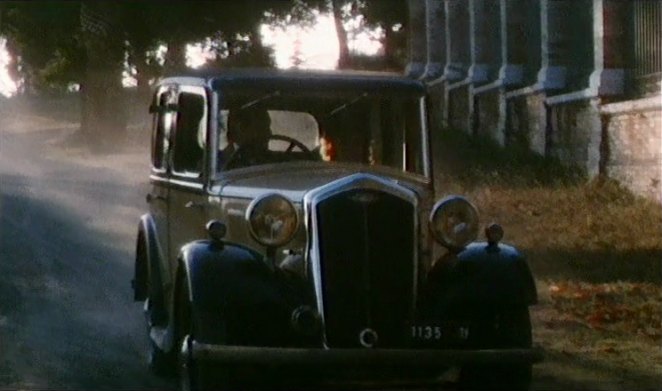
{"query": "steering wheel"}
pixel 250 155
pixel 293 143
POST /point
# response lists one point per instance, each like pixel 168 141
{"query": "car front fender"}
pixel 481 277
pixel 235 296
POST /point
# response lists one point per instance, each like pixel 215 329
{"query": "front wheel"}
pixel 512 329
pixel 160 363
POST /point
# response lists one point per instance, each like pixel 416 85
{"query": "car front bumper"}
pixel 353 358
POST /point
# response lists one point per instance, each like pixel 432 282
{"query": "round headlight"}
pixel 272 220
pixel 454 222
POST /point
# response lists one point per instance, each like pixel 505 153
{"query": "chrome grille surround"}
pixel 360 181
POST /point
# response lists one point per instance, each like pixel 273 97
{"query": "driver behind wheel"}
pixel 248 136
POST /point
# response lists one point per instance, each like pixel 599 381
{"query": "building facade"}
pixel 579 80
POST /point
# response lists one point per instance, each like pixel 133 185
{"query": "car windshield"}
pixel 350 127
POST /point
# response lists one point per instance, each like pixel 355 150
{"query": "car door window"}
pixel 190 132
pixel 163 121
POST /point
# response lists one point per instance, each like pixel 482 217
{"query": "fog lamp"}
pixel 454 222
pixel 305 320
pixel 272 220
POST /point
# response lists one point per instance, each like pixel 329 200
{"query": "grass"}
pixel 595 250
pixel 569 227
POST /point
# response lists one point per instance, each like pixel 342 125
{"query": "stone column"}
pixel 597 71
pixel 436 39
pixel 510 73
pixel 478 38
pixel 608 27
pixel 457 94
pixel 486 62
pixel 553 43
pixel 434 70
pixel 457 50
pixel 524 109
pixel 417 39
pixel 520 40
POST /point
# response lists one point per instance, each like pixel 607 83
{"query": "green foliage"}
pixel 392 17
pixel 46 36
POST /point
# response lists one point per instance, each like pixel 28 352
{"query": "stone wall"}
pixel 487 110
pixel 634 154
pixel 576 134
pixel 544 74
pixel 458 108
pixel 526 123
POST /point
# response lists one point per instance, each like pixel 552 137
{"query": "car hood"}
pixel 294 180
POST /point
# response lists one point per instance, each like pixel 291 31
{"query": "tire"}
pixel 514 331
pixel 156 302
pixel 162 364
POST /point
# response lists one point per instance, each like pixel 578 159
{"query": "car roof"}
pixel 275 79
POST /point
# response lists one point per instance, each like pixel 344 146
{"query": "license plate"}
pixel 439 332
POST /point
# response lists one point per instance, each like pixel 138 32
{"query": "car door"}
pixel 157 198
pixel 188 194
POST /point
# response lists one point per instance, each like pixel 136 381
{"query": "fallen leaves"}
pixel 620 306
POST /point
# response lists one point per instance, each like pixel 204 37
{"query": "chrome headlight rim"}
pixel 444 205
pixel 251 221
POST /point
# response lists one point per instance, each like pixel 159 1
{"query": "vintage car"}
pixel 293 237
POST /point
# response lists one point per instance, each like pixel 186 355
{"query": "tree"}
pixel 344 60
pixel 337 8
pixel 103 116
pixel 43 40
pixel 390 16
pixel 58 43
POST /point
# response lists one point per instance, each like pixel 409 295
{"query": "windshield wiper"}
pixel 347 104
pixel 260 99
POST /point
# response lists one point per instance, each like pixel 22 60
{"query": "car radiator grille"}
pixel 367 266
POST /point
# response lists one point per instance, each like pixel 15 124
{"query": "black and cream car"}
pixel 293 237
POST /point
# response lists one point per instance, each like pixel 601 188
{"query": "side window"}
pixel 190 132
pixel 163 121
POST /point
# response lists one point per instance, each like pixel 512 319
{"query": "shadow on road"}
pixel 66 315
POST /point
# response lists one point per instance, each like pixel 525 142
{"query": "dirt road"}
pixel 67 218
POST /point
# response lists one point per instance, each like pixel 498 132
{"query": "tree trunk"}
pixel 141 100
pixel 417 39
pixel 138 59
pixel 103 113
pixel 175 58
pixel 344 60
pixel 390 55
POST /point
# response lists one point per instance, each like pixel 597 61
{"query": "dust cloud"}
pixel 68 213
